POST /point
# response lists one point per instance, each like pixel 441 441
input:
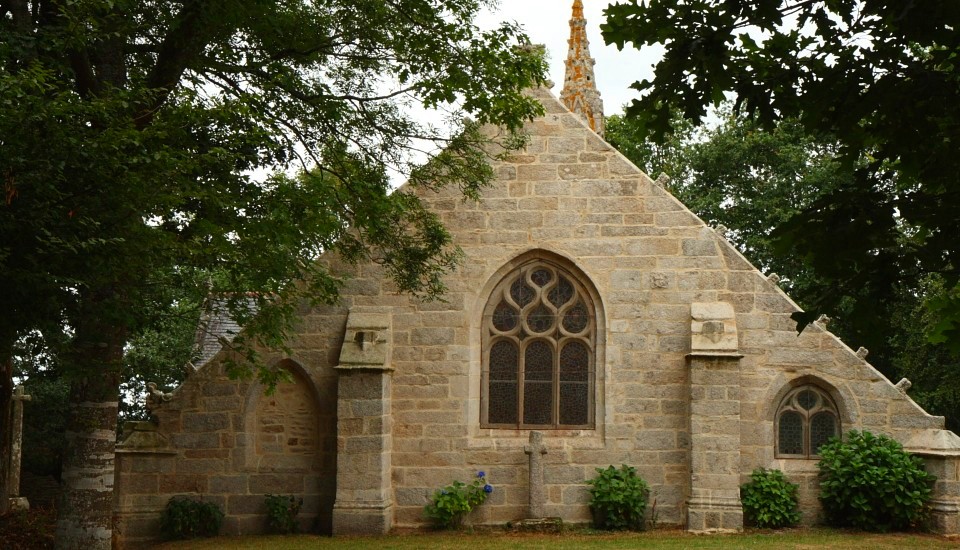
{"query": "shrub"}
pixel 282 511
pixel 618 498
pixel 184 518
pixel 769 500
pixel 450 505
pixel 870 482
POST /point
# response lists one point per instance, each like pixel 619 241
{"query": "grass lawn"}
pixel 793 539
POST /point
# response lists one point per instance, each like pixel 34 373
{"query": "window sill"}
pixel 508 439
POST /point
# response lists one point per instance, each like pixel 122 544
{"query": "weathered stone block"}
pixel 206 422
pixel 431 336
pixel 538 173
pixel 696 247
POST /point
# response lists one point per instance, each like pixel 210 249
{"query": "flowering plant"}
pixel 450 505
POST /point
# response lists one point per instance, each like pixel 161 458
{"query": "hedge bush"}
pixel 618 498
pixel 871 483
pixel 184 518
pixel 769 500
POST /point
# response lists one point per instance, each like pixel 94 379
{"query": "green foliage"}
pixel 880 78
pixel 932 368
pixel 618 498
pixel 184 518
pixel 147 136
pixel 282 511
pixel 450 505
pixel 769 500
pixel 870 482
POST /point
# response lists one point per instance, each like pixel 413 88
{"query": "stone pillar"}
pixel 940 451
pixel 945 504
pixel 364 504
pixel 16 449
pixel 141 457
pixel 714 504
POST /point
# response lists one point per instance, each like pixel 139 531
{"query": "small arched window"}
pixel 539 351
pixel 806 419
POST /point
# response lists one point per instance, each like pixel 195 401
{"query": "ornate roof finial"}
pixel 579 92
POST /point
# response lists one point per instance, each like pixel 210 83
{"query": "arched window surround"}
pixel 806 416
pixel 256 392
pixel 479 379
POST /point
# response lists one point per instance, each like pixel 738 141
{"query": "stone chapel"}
pixel 592 309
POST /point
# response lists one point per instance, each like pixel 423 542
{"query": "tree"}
pixel 880 77
pixel 132 134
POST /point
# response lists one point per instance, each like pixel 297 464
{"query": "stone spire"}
pixel 579 92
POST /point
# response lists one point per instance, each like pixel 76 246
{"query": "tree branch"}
pixel 194 28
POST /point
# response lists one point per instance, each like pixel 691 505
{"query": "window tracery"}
pixel 539 351
pixel 806 419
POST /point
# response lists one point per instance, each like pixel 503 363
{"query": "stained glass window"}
pixel 541 277
pixel 806 419
pixel 537 374
pixel 540 319
pixel 561 293
pixel 521 293
pixel 504 361
pixel 823 426
pixel 791 433
pixel 504 365
pixel 576 319
pixel 505 317
pixel 807 399
pixel 574 362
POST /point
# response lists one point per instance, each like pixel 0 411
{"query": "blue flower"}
pixel 488 488
pixel 481 473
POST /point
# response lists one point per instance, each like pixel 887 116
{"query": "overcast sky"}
pixel 547 22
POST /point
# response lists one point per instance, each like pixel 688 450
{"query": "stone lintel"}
pixel 169 452
pixel 375 368
pixel 714 355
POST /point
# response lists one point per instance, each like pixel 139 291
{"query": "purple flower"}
pixel 481 473
pixel 488 488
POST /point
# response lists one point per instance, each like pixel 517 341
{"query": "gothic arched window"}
pixel 806 419
pixel 539 350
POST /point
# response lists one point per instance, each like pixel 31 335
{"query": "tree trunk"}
pixel 86 503
pixel 6 429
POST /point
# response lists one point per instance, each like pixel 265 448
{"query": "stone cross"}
pixel 536 449
pixel 13 481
